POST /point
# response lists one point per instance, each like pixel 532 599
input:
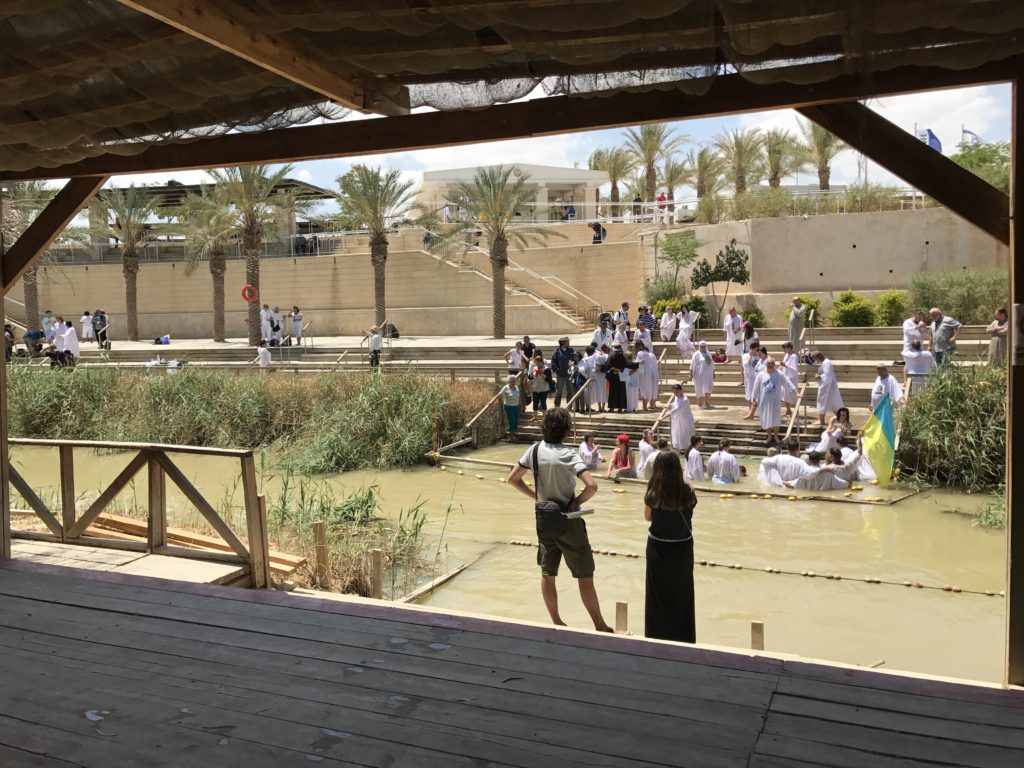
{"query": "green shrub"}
pixel 891 308
pixel 754 316
pixel 711 209
pixel 969 295
pixel 774 202
pixel 744 206
pixel 954 431
pixel 664 287
pixel 813 321
pixel 866 198
pixel 851 310
pixel 659 307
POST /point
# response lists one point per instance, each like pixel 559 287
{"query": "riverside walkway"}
pixel 108 670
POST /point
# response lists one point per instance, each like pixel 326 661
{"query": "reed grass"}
pixel 954 432
pixel 316 423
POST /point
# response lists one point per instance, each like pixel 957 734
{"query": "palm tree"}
pixel 491 209
pixel 782 156
pixel 252 192
pixel 20 203
pixel 635 184
pixel 649 145
pixel 375 199
pixel 741 152
pixel 673 175
pixel 617 163
pixel 819 149
pixel 210 222
pixel 128 213
pixel 708 168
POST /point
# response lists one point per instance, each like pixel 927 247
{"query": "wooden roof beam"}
pixel 232 28
pixel 918 164
pixel 46 227
pixel 726 95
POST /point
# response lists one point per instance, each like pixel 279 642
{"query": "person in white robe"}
pixel 587 365
pixel 748 364
pixel 680 418
pixel 687 320
pixel 71 340
pixel 621 335
pixel 684 345
pixel 648 382
pixel 858 460
pixel 642 336
pixel 667 325
pixel 722 465
pixel 87 330
pixel 791 370
pixel 645 449
pixel 846 469
pixel 732 325
pixel 824 480
pixel 919 364
pixel 770 388
pixel 886 385
pixel 829 437
pixel 603 336
pixel 58 333
pixel 693 467
pixel 632 376
pixel 266 323
pixel 828 399
pixel 702 374
pixel 915 328
pixel 785 467
pixel 589 453
pixel 601 379
pixel 278 325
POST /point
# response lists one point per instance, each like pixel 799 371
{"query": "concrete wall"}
pixel 335 292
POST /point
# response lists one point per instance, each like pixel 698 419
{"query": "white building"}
pixel 557 189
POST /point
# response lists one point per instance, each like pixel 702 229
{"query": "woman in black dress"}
pixel 617 363
pixel 668 505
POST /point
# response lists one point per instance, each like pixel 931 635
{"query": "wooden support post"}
pixel 1015 403
pixel 259 549
pixel 377 574
pixel 5 463
pixel 157 529
pixel 757 635
pixel 67 488
pixel 621 617
pixel 255 516
pixel 320 552
pixel 435 435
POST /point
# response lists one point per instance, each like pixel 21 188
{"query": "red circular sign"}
pixel 250 294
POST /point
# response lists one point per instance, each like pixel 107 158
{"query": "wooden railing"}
pixel 73 528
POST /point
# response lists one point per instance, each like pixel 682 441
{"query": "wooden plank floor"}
pixel 105 669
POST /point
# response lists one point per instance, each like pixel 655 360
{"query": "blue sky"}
pixel 984 110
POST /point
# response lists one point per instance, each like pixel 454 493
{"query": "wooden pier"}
pixel 105 669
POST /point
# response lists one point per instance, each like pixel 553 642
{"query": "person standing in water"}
pixel 670 612
pixel 556 468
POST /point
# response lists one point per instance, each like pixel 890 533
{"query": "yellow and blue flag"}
pixel 879 440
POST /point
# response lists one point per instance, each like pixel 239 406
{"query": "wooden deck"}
pixel 104 669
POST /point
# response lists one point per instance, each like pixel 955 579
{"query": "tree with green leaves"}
pixel 376 199
pixel 256 201
pixel 819 149
pixel 673 175
pixel 20 203
pixel 987 160
pixel 210 225
pixel 679 251
pixel 493 200
pixel 731 266
pixel 649 145
pixel 618 163
pixel 741 150
pixel 708 168
pixel 782 156
pixel 129 218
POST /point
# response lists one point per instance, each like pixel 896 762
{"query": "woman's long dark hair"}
pixel 667 489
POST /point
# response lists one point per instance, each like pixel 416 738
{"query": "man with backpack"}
pixel 556 468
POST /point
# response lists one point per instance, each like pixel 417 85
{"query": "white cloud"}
pixel 303 174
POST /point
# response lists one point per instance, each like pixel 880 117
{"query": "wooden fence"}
pixel 68 527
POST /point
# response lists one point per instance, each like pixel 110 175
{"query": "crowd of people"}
pixel 57 338
pixel 273 328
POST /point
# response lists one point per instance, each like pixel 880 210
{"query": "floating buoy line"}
pixel 951 588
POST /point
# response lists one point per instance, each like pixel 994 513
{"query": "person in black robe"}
pixel 617 363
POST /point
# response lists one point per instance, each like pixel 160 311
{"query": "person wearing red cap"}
pixel 623 463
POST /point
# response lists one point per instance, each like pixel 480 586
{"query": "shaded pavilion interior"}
pixel 92 88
